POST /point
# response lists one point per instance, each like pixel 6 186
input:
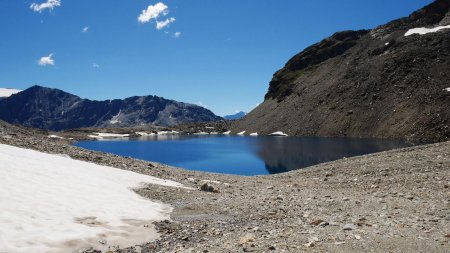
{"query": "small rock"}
pixel 357 237
pixel 316 222
pixel 246 239
pixel 324 224
pixel 272 247
pixel 208 188
pixel 310 244
pixel 349 226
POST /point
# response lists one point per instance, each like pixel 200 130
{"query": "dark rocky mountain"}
pixel 235 116
pixel 55 109
pixel 368 83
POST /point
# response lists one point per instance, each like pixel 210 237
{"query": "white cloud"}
pixel 95 65
pixel 50 4
pixel 177 35
pixel 46 60
pixel 153 12
pixel 161 24
pixel 85 29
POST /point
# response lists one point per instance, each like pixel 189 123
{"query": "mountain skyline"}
pixel 219 55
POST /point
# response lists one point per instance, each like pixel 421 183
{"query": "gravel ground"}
pixel 394 201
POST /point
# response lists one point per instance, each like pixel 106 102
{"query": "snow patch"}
pixel 278 133
pixel 144 134
pixel 423 30
pixel 167 132
pixel 5 92
pixel 201 133
pixel 101 136
pixel 447 89
pixel 241 133
pixel 55 136
pixel 254 134
pixel 115 119
pixel 227 132
pixel 50 203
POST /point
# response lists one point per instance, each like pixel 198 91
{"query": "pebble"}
pixel 349 226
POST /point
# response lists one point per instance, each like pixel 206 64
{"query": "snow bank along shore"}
pixel 52 203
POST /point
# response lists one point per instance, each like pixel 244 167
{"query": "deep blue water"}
pixel 241 155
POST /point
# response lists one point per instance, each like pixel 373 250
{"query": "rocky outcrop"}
pixel 376 83
pixel 54 109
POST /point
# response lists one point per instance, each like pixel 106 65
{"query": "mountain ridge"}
pixel 54 109
pixel 235 116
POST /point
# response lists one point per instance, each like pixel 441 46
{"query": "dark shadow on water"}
pixel 241 155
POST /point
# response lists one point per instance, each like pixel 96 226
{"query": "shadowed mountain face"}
pixel 54 109
pixel 368 83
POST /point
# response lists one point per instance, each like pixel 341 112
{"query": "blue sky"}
pixel 221 54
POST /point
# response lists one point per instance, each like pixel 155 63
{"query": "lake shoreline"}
pixel 251 155
pixel 396 200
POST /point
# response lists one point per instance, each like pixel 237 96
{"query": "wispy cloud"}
pixel 50 4
pixel 161 24
pixel 85 29
pixel 95 65
pixel 153 13
pixel 47 60
pixel 177 35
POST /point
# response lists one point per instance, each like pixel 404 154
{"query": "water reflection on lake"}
pixel 241 155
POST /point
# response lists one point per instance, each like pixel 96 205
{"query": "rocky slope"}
pixel 368 83
pixel 54 109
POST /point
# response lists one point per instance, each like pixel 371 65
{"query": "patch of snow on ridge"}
pixel 241 133
pixel 278 133
pixel 50 203
pixel 227 132
pixel 5 92
pixel 254 134
pixel 447 89
pixel 423 30
pixel 115 119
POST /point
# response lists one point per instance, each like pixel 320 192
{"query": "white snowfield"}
pixel 227 132
pixel 447 89
pixel 254 134
pixel 241 133
pixel 278 133
pixel 423 30
pixel 101 136
pixel 5 92
pixel 52 203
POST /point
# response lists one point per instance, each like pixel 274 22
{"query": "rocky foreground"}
pixel 395 201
